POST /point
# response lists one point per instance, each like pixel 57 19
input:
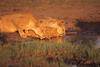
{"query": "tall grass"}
pixel 47 53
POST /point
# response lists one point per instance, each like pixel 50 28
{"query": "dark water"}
pixel 84 39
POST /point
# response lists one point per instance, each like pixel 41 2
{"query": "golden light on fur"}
pixel 17 22
pixel 27 25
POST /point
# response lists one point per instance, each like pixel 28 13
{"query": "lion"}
pixel 48 32
pixel 19 22
pixel 47 28
pixel 27 25
pixel 51 24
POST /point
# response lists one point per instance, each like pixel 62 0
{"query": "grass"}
pixel 47 53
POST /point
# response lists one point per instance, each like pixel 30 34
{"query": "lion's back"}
pixel 7 26
pixel 12 22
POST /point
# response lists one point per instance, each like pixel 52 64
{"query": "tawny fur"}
pixel 57 24
pixel 17 22
pixel 27 25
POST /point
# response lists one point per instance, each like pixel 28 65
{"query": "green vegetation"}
pixel 46 53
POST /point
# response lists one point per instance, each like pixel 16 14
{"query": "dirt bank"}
pixel 80 9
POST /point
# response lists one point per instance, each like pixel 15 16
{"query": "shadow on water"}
pixel 89 27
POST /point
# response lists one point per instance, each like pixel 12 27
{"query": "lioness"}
pixel 19 22
pixel 23 23
pixel 49 27
pixel 57 24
